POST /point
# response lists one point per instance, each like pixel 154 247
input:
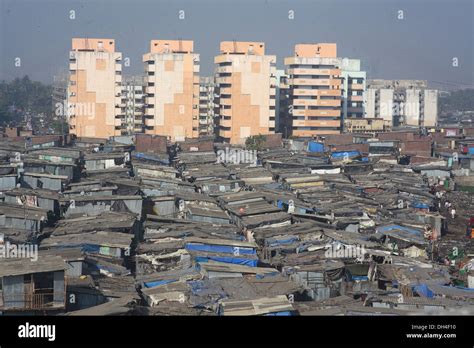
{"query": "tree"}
pixel 255 142
pixel 23 95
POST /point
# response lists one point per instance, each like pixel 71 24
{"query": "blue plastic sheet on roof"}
pixel 150 157
pixel 196 286
pixel 359 277
pixel 87 248
pixel 420 205
pixel 233 260
pixel 314 146
pixel 365 159
pixel 398 227
pixel 342 154
pixel 423 291
pixel 158 283
pixel 227 249
pixel 279 314
pixel 265 275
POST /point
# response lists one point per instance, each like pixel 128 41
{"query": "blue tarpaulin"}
pixel 420 205
pixel 314 146
pixel 359 277
pixel 279 314
pixel 342 154
pixel 158 283
pixel 150 157
pixel 261 276
pixel 227 249
pixel 423 291
pixel 234 260
pixel 383 229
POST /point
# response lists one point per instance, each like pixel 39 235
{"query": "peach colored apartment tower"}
pixel 245 80
pixel 172 89
pixel 314 83
pixel 94 89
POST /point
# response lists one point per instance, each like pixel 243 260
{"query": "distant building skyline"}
pixel 433 43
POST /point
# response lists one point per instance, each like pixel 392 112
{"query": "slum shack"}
pixel 28 218
pixel 8 177
pixel 222 250
pixel 111 247
pixel 93 205
pixel 90 188
pixel 106 160
pixel 30 285
pixel 71 170
pixel 104 221
pixel 44 181
pixel 45 199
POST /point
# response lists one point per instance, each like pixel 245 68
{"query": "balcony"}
pixel 324 113
pixel 314 82
pixel 39 299
pixel 306 71
pixel 224 80
pixel 355 98
pixel 224 69
pixel 329 92
pixel 356 86
pixel 304 102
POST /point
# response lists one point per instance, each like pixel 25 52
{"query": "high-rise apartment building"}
pixel 172 91
pixel 281 97
pixel 314 91
pixel 403 102
pixel 133 89
pixel 245 77
pixel 353 88
pixel 206 105
pixel 94 90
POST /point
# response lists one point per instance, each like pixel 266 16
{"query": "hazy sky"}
pixel 420 46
